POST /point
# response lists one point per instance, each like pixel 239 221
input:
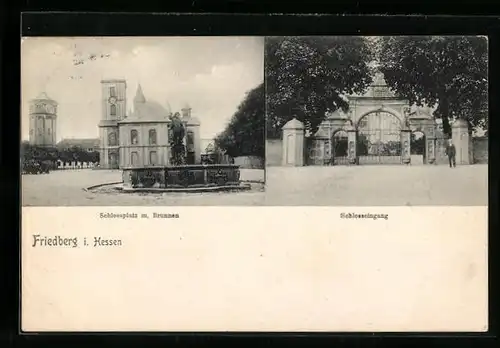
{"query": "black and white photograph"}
pixel 371 121
pixel 142 121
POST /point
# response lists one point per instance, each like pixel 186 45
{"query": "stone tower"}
pixel 113 108
pixel 43 120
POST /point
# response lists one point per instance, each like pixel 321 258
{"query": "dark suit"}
pixel 451 152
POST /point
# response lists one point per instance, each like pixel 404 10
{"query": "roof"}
pixel 293 124
pixel 45 97
pixel 79 142
pixel 139 95
pixel 146 111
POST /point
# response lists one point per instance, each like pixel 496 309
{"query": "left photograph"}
pixel 131 121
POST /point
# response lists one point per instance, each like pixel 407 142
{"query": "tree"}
pixel 244 135
pixel 309 76
pixel 448 72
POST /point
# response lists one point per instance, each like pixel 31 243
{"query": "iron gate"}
pixel 417 148
pixel 339 148
pixel 379 139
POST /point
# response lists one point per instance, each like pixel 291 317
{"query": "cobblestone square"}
pixel 66 188
pixel 383 185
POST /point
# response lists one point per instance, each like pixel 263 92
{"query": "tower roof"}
pixel 44 96
pixel 139 95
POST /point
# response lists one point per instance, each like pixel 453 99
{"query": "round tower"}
pixel 43 120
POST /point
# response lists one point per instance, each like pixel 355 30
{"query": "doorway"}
pixel 417 148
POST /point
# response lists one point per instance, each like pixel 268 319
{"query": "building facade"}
pixel 140 138
pixel 379 128
pixel 42 121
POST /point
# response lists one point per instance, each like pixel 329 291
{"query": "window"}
pixel 112 110
pixel 190 141
pixel 190 138
pixel 112 91
pixel 152 137
pixel 134 137
pixel 48 131
pixel 31 131
pixel 40 132
pixel 112 139
pixel 134 158
pixel 153 158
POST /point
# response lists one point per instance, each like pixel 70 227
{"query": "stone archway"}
pixel 340 147
pixel 418 147
pixel 379 139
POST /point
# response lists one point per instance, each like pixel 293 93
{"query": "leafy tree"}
pixel 244 135
pixel 309 76
pixel 448 72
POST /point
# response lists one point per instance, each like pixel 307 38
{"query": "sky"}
pixel 211 74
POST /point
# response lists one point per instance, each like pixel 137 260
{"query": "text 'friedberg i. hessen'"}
pixel 74 242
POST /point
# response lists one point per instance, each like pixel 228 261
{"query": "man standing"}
pixel 450 152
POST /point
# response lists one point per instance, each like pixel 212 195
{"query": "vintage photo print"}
pixel 377 121
pixel 142 121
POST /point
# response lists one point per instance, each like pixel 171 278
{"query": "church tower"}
pixel 113 107
pixel 43 121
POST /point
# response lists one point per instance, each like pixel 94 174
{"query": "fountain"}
pixel 180 175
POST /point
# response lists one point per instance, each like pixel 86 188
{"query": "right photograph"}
pixel 377 120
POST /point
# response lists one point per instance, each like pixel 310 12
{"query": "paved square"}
pixel 377 185
pixel 66 188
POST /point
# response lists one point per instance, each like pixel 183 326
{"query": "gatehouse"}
pixel 379 128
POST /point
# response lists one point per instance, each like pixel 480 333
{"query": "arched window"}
pixel 152 137
pixel 190 138
pixel 134 137
pixel 153 158
pixel 112 139
pixel 112 110
pixel 134 158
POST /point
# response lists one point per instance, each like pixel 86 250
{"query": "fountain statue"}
pixel 177 141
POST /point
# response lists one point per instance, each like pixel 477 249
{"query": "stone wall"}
pixel 249 162
pixel 273 152
pixel 480 149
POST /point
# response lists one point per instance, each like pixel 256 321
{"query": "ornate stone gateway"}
pixel 378 128
pixel 379 139
pixel 340 148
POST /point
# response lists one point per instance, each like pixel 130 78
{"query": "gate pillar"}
pixel 293 143
pixel 351 140
pixel 430 144
pixel 460 138
pixel 405 145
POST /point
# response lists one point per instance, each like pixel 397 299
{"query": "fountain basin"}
pixel 201 176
